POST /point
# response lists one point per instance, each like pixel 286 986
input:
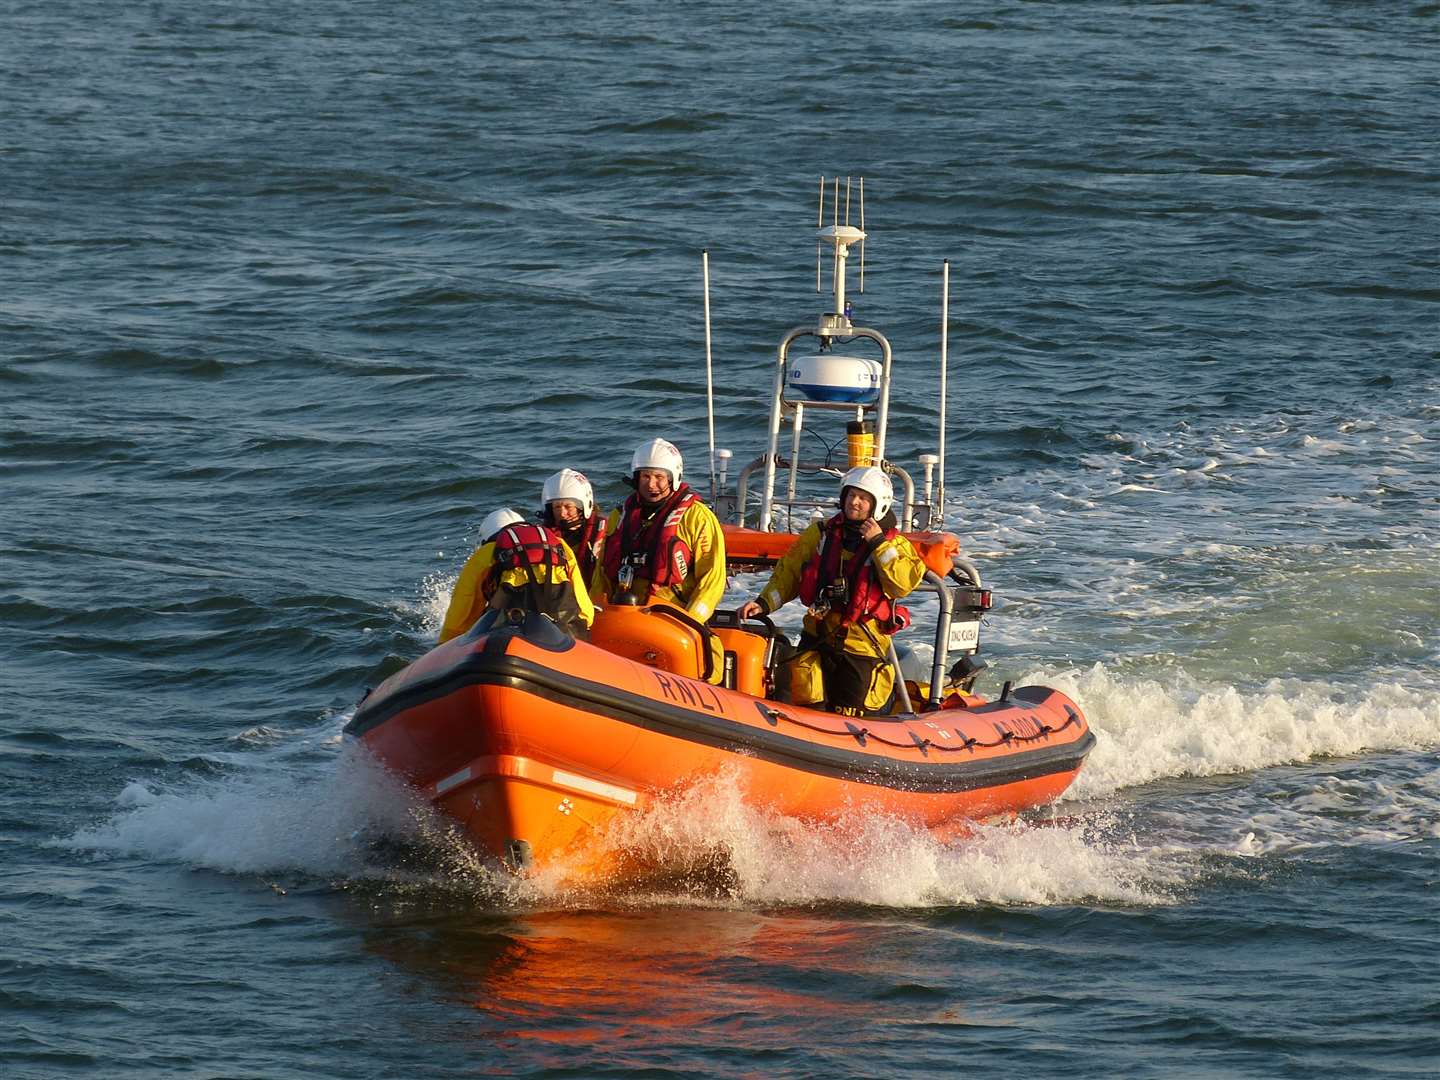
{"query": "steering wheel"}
pixel 764 620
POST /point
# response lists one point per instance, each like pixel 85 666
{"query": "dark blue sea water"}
pixel 292 295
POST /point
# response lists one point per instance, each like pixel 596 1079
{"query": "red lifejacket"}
pixel 531 548
pixel 649 543
pixel 861 594
pixel 528 547
pixel 583 540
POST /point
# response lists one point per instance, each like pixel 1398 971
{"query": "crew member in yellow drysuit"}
pixel 850 570
pixel 663 543
pixel 569 508
pixel 519 565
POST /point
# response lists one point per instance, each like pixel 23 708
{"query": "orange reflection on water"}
pixel 686 977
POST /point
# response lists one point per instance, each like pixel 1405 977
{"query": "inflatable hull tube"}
pixel 534 742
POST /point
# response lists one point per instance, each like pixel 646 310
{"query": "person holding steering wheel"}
pixel 850 571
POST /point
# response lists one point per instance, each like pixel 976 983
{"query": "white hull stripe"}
pixel 594 787
pixel 442 786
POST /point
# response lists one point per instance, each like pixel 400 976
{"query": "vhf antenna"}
pixel 835 216
pixel 819 224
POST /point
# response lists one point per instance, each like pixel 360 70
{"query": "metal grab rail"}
pixel 942 637
pixel 908 505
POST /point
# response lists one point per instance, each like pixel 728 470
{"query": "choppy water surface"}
pixel 294 297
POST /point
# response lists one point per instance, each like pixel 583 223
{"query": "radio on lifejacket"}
pixel 830 597
pixel 630 566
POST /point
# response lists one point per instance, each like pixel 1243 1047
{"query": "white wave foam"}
pixel 268 821
pixel 435 592
pixel 1147 729
pixel 1313 810
pixel 427 610
pixel 1265 478
pixel 325 827
pixel 878 860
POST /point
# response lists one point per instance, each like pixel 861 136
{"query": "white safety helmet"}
pixel 495 521
pixel 659 454
pixel 571 485
pixel 874 483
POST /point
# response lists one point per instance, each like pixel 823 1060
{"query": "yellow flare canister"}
pixel 860 442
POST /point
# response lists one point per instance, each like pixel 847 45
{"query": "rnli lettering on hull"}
pixel 684 691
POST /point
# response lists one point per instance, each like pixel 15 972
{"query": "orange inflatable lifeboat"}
pixel 533 741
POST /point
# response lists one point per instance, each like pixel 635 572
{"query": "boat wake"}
pixel 736 853
pixel 1187 781
pixel 1148 729
pixel 260 820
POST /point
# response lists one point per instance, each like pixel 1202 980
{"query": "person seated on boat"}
pixel 663 544
pixel 519 565
pixel 569 509
pixel 850 570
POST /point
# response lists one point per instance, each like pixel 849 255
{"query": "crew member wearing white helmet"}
pixel 519 565
pixel 569 509
pixel 663 544
pixel 850 570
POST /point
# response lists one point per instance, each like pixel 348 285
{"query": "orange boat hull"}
pixel 533 743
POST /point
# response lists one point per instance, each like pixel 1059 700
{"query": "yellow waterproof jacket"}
pixel 477 583
pixel 898 569
pixel 704 585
